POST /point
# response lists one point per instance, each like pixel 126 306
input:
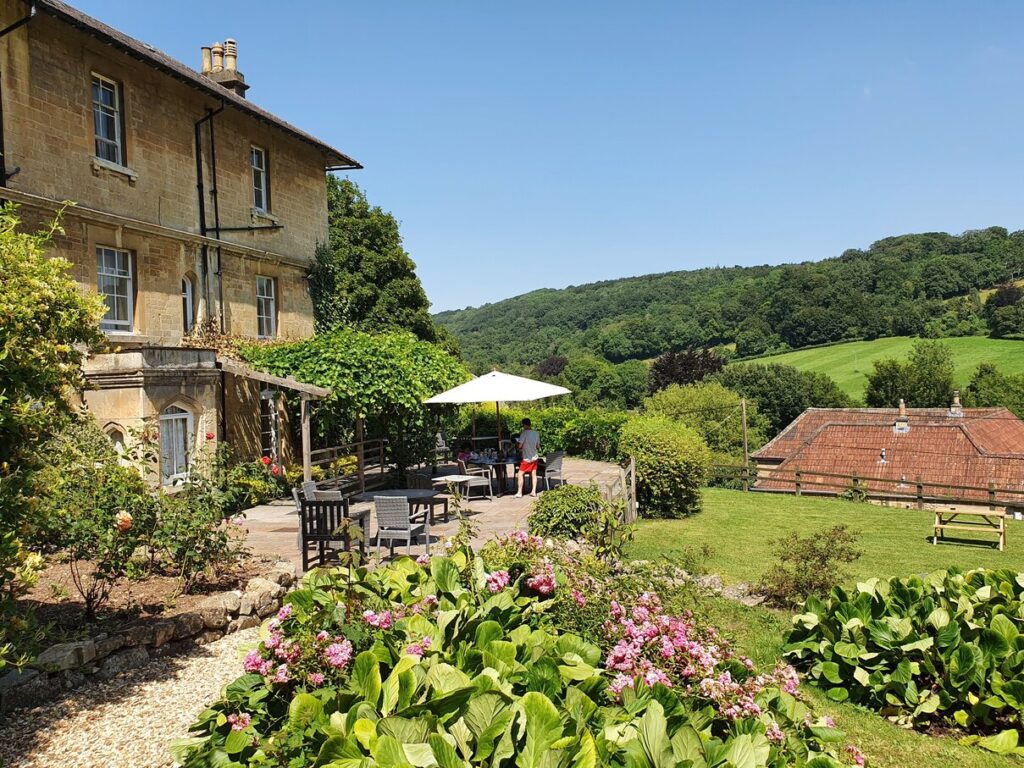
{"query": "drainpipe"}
pixel 201 194
pixel 4 176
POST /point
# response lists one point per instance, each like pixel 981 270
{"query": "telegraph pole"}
pixel 746 451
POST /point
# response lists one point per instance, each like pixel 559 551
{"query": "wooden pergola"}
pixel 306 392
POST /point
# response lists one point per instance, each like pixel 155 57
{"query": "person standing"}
pixel 529 455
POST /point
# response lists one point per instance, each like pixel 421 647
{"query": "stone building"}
pixel 192 208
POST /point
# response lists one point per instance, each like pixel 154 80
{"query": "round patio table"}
pixel 501 466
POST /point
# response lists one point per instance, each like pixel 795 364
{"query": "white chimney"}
pixel 902 424
pixel 207 59
pixel 218 58
pixel 955 410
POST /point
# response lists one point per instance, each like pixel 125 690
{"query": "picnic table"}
pixel 985 521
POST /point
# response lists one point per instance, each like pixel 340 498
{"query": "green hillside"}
pixel 848 364
pixel 910 285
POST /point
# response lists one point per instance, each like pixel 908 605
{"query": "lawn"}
pixel 850 363
pixel 740 527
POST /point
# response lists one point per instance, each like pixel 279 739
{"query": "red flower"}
pixel 210 435
pixel 265 461
pixel 275 470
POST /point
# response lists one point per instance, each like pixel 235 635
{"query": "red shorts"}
pixel 528 466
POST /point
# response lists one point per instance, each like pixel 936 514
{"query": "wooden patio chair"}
pixel 323 528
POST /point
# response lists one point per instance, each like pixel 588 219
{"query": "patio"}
pixel 274 527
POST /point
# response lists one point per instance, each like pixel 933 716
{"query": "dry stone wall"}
pixel 66 666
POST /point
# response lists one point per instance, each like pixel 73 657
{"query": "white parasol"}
pixel 498 387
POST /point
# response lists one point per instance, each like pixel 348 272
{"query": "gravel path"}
pixel 126 722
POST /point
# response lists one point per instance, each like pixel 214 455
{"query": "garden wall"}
pixel 66 666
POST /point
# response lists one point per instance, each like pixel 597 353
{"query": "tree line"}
pixel 932 284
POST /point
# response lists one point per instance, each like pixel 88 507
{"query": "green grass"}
pixel 740 527
pixel 849 364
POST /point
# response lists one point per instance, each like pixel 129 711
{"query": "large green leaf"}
pixel 366 677
pixel 445 574
pixel 303 710
pixel 543 729
pixel 1002 743
pixel 653 731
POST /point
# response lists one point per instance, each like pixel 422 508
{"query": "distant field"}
pixel 850 363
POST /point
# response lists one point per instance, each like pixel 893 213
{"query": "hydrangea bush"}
pixel 456 661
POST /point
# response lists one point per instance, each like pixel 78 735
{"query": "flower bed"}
pixel 945 649
pixel 460 660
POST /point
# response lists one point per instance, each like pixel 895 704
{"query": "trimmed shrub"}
pixel 809 565
pixel 672 463
pixel 595 434
pixel 569 511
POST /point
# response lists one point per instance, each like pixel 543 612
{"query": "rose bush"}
pixel 453 662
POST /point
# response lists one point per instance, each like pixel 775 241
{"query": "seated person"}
pixel 464 452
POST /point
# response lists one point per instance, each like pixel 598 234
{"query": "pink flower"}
pixel 856 755
pixel 543 582
pixel 497 581
pixel 240 721
pixel 379 620
pixel 321 636
pixel 315 679
pixel 423 559
pixel 252 661
pixel 579 598
pixel 282 675
pixel 238 521
pixel 774 734
pixel 285 612
pixel 338 655
pixel 415 649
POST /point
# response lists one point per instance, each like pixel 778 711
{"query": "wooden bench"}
pixel 986 521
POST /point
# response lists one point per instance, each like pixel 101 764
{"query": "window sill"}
pixel 262 217
pixel 128 337
pixel 99 165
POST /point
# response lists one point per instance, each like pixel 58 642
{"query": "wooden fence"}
pixel 623 489
pixel 365 464
pixel 916 491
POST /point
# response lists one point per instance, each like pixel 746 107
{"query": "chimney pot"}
pixel 902 424
pixel 230 54
pixel 207 59
pixel 218 58
pixel 955 409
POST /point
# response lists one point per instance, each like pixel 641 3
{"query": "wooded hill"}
pixel 900 286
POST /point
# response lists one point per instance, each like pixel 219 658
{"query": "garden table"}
pixel 500 466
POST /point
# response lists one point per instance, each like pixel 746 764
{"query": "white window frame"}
pixel 266 323
pixel 176 417
pixel 125 277
pixel 270 425
pixel 260 178
pixel 113 111
pixel 188 306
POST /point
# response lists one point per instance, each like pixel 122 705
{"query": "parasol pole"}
pixel 497 411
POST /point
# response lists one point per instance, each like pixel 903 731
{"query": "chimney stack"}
pixel 230 54
pixel 955 410
pixel 220 64
pixel 902 424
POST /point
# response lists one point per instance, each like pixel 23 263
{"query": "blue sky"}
pixel 544 144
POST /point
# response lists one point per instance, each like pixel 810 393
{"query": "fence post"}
pixel 992 496
pixel 920 493
pixel 632 489
pixel 797 482
pixel 746 477
pixel 856 485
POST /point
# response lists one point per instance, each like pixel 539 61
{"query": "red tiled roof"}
pixel 984 445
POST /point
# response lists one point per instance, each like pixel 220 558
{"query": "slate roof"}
pixel 335 159
pixel 984 445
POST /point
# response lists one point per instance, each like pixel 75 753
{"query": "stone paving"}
pixel 274 527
